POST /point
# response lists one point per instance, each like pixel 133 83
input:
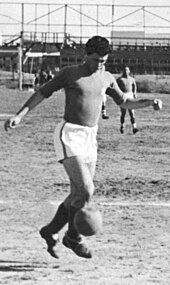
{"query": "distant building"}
pixel 130 37
pixel 139 38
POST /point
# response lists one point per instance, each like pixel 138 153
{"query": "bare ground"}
pixel 132 191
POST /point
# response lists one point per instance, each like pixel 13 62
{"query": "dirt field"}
pixel 132 190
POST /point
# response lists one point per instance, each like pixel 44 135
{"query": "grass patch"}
pixel 146 83
pixel 153 84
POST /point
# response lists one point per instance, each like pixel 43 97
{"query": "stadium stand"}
pixel 151 58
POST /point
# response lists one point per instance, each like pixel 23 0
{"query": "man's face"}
pixel 96 62
pixel 127 70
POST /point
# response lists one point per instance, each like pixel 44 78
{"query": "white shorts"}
pixel 129 95
pixel 75 140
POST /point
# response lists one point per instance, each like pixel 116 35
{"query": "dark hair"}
pixel 99 45
pixel 124 69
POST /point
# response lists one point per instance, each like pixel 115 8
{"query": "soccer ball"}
pixel 88 221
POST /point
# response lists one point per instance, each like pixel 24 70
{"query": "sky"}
pixel 127 18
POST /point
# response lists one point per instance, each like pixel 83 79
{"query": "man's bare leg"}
pixel 81 176
pixel 122 119
pixel 133 122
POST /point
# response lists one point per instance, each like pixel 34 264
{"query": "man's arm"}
pixel 32 102
pixel 44 92
pixel 141 103
pixel 120 99
pixel 114 90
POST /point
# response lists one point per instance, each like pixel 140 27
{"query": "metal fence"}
pixel 77 22
pixel 139 35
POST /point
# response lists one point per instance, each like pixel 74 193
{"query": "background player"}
pixel 128 85
pixel 104 112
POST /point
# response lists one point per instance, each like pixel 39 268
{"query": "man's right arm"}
pixel 115 92
pixel 32 102
pixel 44 92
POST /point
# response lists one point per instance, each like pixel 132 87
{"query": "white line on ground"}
pixel 126 204
pixel 6 115
pixel 135 204
pixel 107 204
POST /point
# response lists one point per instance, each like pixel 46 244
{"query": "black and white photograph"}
pixel 84 142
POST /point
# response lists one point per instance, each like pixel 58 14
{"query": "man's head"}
pixel 126 70
pixel 97 49
pixel 99 45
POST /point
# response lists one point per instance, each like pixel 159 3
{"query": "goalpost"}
pixel 20 60
pixel 20 49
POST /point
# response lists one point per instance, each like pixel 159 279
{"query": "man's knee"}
pixel 83 195
pixel 86 190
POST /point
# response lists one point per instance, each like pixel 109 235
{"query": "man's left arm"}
pixel 115 92
pixel 141 103
pixel 127 103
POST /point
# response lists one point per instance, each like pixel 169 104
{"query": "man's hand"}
pixel 157 104
pixel 12 122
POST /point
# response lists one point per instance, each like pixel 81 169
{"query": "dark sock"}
pixel 60 219
pixel 72 232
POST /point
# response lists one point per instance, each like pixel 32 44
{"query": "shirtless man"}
pixel 128 85
pixel 75 136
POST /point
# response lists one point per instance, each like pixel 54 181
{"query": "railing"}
pixel 78 22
